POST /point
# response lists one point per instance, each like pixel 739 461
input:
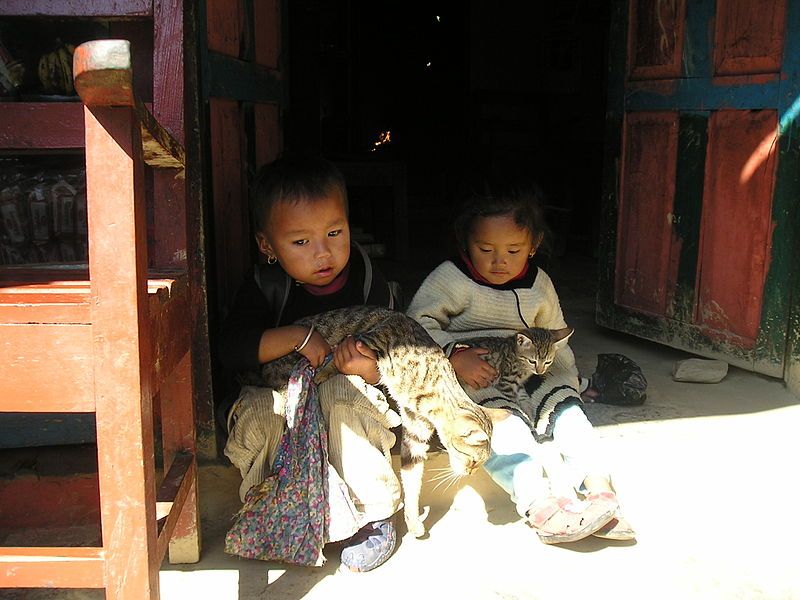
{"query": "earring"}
pixel 531 254
pixel 271 260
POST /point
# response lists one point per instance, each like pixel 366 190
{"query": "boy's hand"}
pixel 472 369
pixel 356 358
pixel 316 349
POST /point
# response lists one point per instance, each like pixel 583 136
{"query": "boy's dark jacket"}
pixel 268 298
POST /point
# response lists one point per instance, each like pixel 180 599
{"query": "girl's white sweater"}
pixel 452 307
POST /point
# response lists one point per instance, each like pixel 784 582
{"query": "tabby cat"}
pixel 520 356
pixel 422 382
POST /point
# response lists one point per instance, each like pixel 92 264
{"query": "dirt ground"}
pixel 705 473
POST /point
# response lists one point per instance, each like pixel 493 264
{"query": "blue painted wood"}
pixel 697 91
pixel 701 94
pixel 696 45
pixel 789 96
pixel 228 77
pixel 25 430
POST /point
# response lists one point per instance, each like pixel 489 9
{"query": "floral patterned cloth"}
pixel 286 517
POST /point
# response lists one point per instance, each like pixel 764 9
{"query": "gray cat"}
pixel 520 356
pixel 421 380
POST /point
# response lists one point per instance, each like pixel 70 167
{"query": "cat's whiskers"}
pixel 440 469
pixel 448 481
pixel 447 473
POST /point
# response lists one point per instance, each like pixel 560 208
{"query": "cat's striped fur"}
pixel 421 380
pixel 519 357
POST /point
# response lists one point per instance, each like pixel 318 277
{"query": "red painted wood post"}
pixel 118 270
pixel 232 233
pixel 268 140
pixel 177 432
pixel 169 190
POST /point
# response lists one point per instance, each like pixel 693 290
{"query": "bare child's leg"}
pixel 516 465
pixel 585 468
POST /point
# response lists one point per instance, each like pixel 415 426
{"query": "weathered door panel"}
pixel 229 215
pixel 701 176
pixel 240 63
pixel 242 86
pixel 736 226
pixel 748 37
pixel 648 189
pixel 655 39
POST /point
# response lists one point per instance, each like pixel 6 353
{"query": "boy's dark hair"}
pixel 292 180
pixel 492 196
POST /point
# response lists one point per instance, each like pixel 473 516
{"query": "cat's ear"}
pixel 496 414
pixel 560 336
pixel 523 341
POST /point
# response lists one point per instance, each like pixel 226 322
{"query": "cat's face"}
pixel 537 348
pixel 469 437
pixel 468 443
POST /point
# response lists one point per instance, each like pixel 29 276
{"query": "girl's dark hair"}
pixel 519 197
pixel 293 180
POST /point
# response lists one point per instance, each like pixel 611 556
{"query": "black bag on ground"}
pixel 619 380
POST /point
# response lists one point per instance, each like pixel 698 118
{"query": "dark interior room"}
pixel 446 89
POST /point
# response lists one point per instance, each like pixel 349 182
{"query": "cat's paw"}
pixel 415 526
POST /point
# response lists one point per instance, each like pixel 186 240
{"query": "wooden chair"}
pixel 110 340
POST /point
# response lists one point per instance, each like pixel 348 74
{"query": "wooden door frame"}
pixel 219 76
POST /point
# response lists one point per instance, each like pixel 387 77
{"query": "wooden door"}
pixel 701 176
pixel 243 89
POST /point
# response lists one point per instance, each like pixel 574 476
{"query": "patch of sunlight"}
pixel 274 574
pixel 759 156
pixel 220 584
pixel 768 144
pixel 468 499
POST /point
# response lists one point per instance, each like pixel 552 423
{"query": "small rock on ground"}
pixel 699 370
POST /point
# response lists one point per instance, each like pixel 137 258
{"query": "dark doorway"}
pixel 458 86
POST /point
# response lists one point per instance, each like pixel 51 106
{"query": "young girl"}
pixel 300 209
pixel 492 288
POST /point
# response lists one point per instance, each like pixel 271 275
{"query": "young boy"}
pixel 299 207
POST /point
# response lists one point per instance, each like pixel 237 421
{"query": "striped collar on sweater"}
pixel 524 282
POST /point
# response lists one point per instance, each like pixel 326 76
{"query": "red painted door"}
pixel 242 86
pixel 700 176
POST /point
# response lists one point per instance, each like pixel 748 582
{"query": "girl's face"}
pixel 499 248
pixel 310 239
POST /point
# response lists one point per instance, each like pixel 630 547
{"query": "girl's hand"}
pixel 356 358
pixel 472 369
pixel 316 349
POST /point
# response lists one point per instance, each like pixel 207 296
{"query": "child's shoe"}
pixel 559 520
pixel 618 527
pixel 370 547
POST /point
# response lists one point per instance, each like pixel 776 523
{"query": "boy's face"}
pixel 499 248
pixel 310 238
